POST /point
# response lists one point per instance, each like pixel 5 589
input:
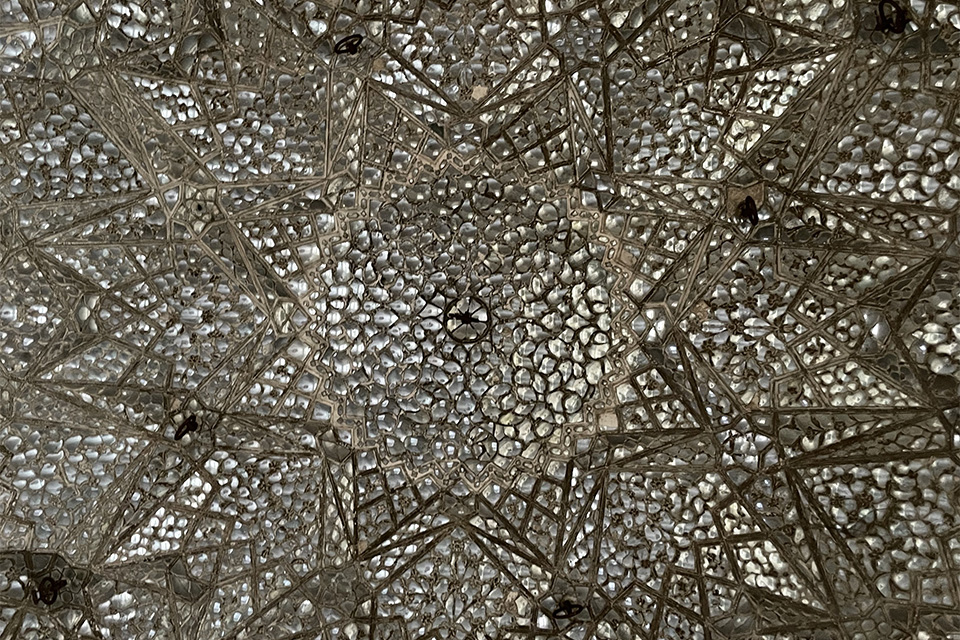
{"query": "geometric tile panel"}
pixel 450 320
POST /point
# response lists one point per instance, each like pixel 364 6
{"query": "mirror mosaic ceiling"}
pixel 510 320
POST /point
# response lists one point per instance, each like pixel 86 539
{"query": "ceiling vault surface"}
pixel 495 320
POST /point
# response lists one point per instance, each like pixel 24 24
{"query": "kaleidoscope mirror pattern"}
pixel 500 320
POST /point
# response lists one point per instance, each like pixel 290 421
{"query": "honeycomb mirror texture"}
pixel 496 320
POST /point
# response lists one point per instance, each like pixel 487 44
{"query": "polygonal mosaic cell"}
pixel 475 339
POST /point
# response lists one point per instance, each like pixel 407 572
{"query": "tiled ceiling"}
pixel 609 320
